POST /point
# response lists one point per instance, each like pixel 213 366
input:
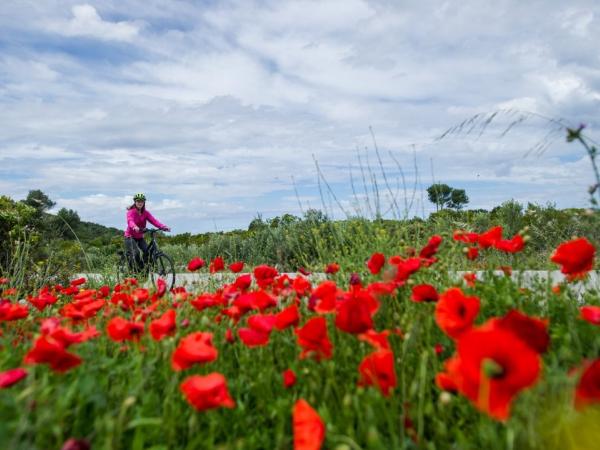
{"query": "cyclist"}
pixel 137 215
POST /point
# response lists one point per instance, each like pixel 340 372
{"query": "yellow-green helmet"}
pixel 139 196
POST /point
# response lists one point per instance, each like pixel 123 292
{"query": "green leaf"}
pixel 144 421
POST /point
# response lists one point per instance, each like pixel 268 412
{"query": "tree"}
pixel 315 216
pixel 257 224
pixel 284 220
pixel 439 194
pixel 66 221
pixel 458 198
pixel 38 200
pixel 443 195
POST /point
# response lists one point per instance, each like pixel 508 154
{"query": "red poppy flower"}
pixel 207 392
pixel 376 262
pixel 4 281
pixel 12 376
pixel 378 340
pixel 161 287
pixel 472 253
pixel 531 330
pixel 438 349
pixel 229 336
pixel 377 369
pixel 77 282
pixel 254 300
pixel 236 267
pixel 303 271
pixel 431 247
pixel 289 378
pixel 51 327
pixel 216 265
pixel 9 291
pixel 309 429
pixel 262 322
pixel 71 290
pixel 466 237
pixel 302 286
pixel 576 258
pixel 354 315
pixel 397 259
pixel 313 339
pixel 163 327
pixel 243 282
pixel 265 275
pixel 591 314
pixel 120 329
pixel 588 388
pixel 195 264
pixel 493 367
pixel 282 284
pixel 195 348
pixel 82 309
pixel 288 317
pixel 253 338
pixel 514 245
pixel 11 311
pixel 207 300
pixel 405 268
pixel 446 380
pixel 103 292
pixel 332 268
pixel 42 300
pixel 140 295
pixel 455 312
pixel 323 297
pixel 49 351
pixel 424 293
pixel 470 278
pixel 380 288
pixel 490 237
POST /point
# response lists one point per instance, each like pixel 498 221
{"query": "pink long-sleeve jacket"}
pixel 136 219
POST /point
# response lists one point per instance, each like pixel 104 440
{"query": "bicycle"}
pixel 158 264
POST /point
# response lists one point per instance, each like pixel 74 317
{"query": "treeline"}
pixel 313 240
pixel 36 244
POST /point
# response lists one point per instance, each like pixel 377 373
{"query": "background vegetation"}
pixel 37 246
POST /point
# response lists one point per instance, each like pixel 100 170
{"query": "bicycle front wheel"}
pixel 163 267
pixel 122 267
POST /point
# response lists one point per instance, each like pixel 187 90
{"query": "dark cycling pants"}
pixel 133 255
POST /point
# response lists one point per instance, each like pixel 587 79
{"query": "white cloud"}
pixel 212 108
pixel 87 22
pixel 578 21
pixel 34 152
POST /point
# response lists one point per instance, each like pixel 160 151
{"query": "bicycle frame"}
pixel 153 246
pixel 153 253
pixel 158 265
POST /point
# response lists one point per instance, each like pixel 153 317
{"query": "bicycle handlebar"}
pixel 151 230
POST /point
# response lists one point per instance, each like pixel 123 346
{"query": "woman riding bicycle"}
pixel 137 215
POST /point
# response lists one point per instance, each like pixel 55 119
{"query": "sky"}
pixel 224 111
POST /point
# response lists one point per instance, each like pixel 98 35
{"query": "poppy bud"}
pixel 355 279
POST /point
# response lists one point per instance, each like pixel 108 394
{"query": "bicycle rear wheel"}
pixel 163 267
pixel 125 271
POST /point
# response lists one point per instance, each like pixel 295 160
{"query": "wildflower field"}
pixel 400 354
